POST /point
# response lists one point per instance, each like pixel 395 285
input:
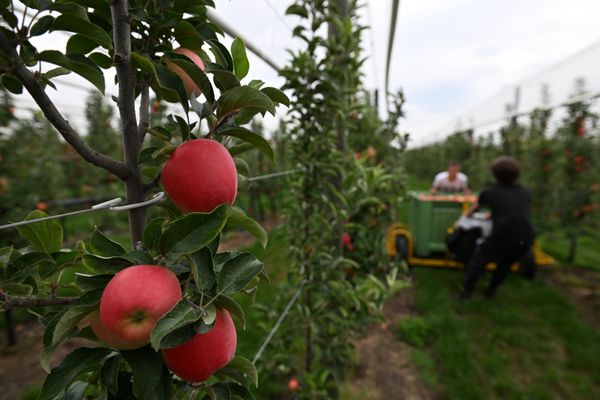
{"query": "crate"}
pixel 430 218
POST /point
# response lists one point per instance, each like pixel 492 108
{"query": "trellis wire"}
pixel 115 204
pixel 275 327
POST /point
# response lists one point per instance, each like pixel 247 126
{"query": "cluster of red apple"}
pixel 199 176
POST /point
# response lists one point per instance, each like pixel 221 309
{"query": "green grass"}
pixel 528 343
pixel 587 256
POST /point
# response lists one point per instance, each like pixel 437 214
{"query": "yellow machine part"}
pixel 541 258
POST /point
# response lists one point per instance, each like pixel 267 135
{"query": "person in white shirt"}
pixel 452 180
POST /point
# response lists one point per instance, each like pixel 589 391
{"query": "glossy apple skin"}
pixel 200 175
pixel 133 300
pixel 206 353
pixel 189 85
pixel 102 334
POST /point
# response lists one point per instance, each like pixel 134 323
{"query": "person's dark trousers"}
pixel 503 252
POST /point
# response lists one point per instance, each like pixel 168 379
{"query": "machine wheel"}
pixel 402 247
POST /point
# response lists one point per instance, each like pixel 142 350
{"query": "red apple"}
pixel 188 83
pixel 293 385
pixel 200 175
pixel 134 299
pixel 101 332
pixel 347 241
pixel 42 206
pixel 206 353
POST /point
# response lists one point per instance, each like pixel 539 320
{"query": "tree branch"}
pixel 30 301
pixel 46 105
pixel 126 102
pixel 144 111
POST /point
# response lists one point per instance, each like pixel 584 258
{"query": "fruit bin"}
pixel 430 218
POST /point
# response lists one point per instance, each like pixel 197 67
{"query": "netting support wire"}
pixel 112 205
pixel 286 310
pixel 275 174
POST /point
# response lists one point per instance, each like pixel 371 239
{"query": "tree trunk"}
pixel 11 335
pixel 572 249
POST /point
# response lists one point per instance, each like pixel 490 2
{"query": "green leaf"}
pixel 76 390
pixel 12 84
pixel 74 364
pixel 244 366
pixel 197 75
pixel 229 304
pixel 140 257
pixel 104 246
pixel 80 44
pixel 238 272
pixel 170 81
pixel 240 149
pixel 109 374
pixel 239 98
pixel 153 232
pixel 106 265
pixel 248 136
pixel 222 56
pixel 238 218
pixel 191 232
pixel 92 31
pixel 70 9
pixel 69 319
pixel 224 80
pixel 276 95
pixel 91 282
pixel 178 337
pixel 183 313
pixel 102 60
pixel 296 9
pixel 41 26
pixel 18 289
pixel 5 254
pixel 240 59
pixel 147 368
pixel 10 18
pixel 54 72
pixel 184 128
pixel 187 36
pixel 201 265
pixel 162 80
pixel 78 64
pixel 45 236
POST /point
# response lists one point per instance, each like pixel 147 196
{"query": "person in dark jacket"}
pixel 512 230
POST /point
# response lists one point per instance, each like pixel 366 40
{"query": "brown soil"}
pixel 20 368
pixel 385 371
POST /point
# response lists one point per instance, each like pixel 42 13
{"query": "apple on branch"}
pixel 200 175
pixel 131 304
pixel 206 353
pixel 189 85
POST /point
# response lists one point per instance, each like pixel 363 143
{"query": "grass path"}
pixel 528 343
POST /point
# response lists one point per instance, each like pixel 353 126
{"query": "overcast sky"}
pixel 449 55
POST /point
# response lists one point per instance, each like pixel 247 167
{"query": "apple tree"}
pixel 170 50
pixel 575 197
pixel 315 341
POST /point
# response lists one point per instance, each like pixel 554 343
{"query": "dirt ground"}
pixel 385 371
pixel 20 368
